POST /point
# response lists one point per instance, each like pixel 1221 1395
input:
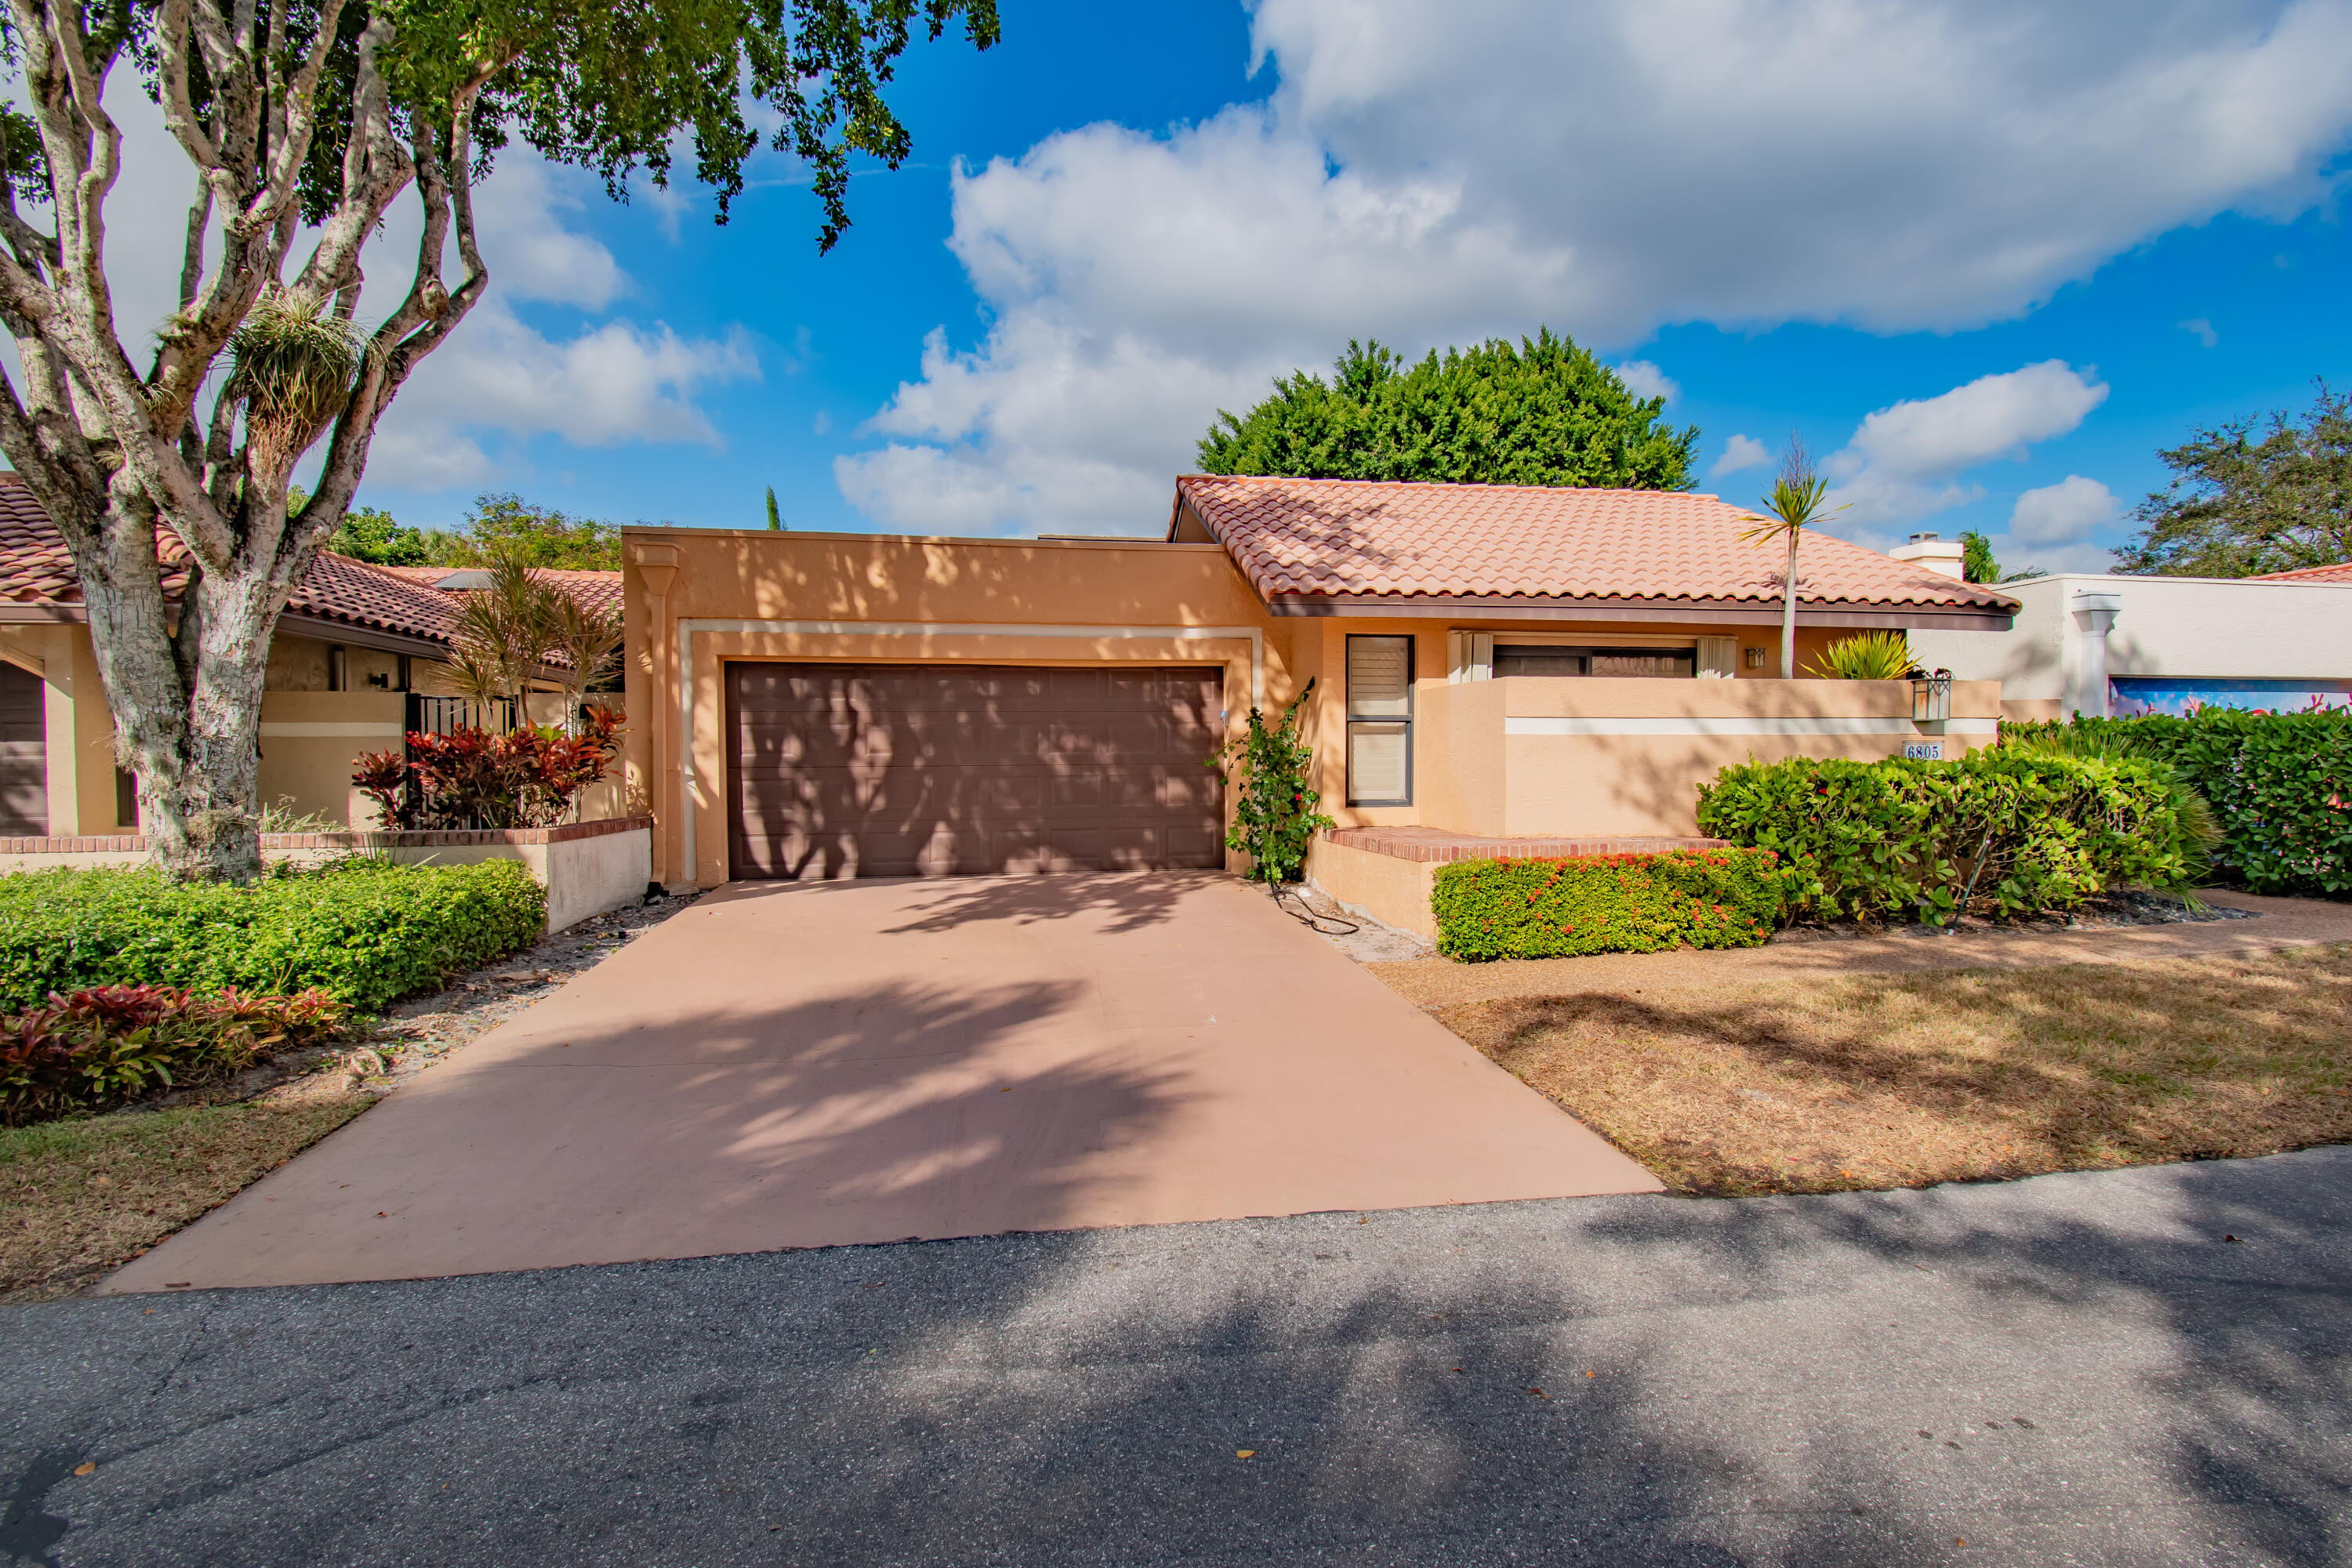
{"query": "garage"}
pixel 897 770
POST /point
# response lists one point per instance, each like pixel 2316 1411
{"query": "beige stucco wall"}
pixel 1456 756
pixel 1391 890
pixel 1625 758
pixel 310 738
pixel 746 595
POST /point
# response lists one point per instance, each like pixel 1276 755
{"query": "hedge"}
pixel 364 932
pixel 1606 904
pixel 1998 832
pixel 2280 783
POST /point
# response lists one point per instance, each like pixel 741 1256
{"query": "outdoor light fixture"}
pixel 1754 658
pixel 1931 698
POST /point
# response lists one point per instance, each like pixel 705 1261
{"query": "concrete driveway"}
pixel 785 1065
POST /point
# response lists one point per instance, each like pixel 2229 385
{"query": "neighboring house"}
pixel 355 642
pixel 2104 645
pixel 1488 662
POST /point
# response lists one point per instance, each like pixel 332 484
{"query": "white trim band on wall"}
pixel 688 626
pixel 325 731
pixel 1735 728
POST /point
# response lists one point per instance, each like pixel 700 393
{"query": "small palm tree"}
pixel 505 630
pixel 1794 503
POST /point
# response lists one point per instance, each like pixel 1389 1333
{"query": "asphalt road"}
pixel 2077 1369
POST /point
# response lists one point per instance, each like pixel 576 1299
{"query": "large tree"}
pixel 1540 412
pixel 302 121
pixel 2257 495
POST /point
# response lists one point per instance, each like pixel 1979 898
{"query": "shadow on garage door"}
pixel 896 769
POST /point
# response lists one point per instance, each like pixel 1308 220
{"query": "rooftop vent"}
pixel 471 579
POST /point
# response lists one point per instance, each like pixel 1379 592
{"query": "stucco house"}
pixel 2104 645
pixel 1493 669
pixel 356 643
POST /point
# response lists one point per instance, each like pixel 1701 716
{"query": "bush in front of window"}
pixel 1607 903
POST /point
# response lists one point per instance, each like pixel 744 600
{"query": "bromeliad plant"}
pixel 1867 656
pixel 481 778
pixel 1275 818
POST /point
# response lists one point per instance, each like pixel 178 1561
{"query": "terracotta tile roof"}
pixel 597 590
pixel 1330 538
pixel 2339 573
pixel 35 569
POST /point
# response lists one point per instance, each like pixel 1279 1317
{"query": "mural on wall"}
pixel 2137 696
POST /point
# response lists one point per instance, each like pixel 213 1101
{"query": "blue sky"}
pixel 1951 245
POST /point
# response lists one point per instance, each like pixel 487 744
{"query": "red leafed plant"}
pixel 481 778
pixel 93 1049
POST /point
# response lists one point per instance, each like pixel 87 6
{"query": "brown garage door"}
pixel 882 770
pixel 24 755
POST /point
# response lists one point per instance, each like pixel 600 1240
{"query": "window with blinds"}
pixel 1379 720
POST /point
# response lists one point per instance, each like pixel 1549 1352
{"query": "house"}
pixel 358 647
pixel 2104 644
pixel 1489 668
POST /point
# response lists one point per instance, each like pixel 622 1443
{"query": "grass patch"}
pixel 1901 1080
pixel 80 1198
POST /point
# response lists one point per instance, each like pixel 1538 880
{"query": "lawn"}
pixel 80 1197
pixel 1897 1080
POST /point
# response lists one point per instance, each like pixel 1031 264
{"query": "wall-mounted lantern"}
pixel 1931 698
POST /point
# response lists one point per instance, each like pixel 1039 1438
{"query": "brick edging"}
pixel 1428 845
pixel 450 838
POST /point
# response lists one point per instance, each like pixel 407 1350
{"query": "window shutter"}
pixel 1379 720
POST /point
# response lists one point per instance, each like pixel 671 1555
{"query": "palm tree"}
pixel 1794 503
pixel 504 631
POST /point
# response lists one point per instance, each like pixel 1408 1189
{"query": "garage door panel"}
pixel 882 770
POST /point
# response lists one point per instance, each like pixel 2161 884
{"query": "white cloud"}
pixel 1903 462
pixel 1643 379
pixel 1740 452
pixel 2062 513
pixel 1436 175
pixel 603 387
pixel 2200 329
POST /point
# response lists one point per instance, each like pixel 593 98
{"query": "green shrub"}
pixel 1998 832
pixel 1607 903
pixel 2280 785
pixel 364 932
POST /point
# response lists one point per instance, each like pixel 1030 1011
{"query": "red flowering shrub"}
pixel 1607 903
pixel 481 778
pixel 100 1046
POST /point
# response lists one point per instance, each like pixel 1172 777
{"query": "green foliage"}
pixel 1543 413
pixel 503 524
pixel 365 932
pixel 1607 903
pixel 2241 504
pixel 99 1048
pixel 1999 832
pixel 1275 818
pixel 294 368
pixel 1977 562
pixel 1867 656
pixel 2280 784
pixel 775 518
pixel 1792 505
pixel 369 534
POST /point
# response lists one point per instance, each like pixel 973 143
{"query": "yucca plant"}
pixel 587 639
pixel 1867 656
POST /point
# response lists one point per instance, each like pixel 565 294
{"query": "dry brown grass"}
pixel 79 1198
pixel 1906 1080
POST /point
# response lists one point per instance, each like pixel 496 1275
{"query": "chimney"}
pixel 1936 554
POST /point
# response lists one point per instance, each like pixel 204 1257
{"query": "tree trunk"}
pixel 186 699
pixel 1788 613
